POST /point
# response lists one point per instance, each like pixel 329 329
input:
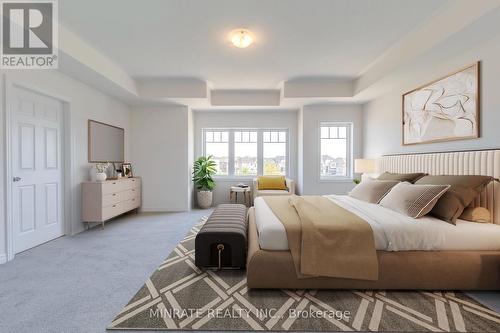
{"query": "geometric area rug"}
pixel 180 296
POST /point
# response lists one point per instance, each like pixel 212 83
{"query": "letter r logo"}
pixel 27 28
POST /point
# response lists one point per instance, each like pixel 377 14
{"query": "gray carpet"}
pixel 80 283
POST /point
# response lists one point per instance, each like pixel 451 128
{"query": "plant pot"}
pixel 100 176
pixel 204 199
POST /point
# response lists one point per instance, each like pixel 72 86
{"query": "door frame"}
pixel 67 159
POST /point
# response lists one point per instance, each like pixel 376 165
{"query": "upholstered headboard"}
pixel 475 162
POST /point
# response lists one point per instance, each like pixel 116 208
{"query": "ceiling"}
pixel 188 38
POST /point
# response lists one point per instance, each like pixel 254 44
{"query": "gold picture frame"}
pixel 127 170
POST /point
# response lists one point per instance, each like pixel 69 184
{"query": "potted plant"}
pixel 203 170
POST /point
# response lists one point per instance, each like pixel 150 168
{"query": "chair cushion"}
pixel 272 192
pixel 271 182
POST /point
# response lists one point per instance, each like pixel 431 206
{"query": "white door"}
pixel 36 169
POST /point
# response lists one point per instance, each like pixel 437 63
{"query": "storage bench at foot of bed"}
pixel 222 240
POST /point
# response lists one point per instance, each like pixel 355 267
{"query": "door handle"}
pixel 16 179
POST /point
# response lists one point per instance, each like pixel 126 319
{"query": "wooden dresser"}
pixel 104 200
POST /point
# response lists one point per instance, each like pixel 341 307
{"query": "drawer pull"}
pixel 133 199
pixel 114 206
pixel 133 190
pixel 114 194
pixel 114 183
pixel 133 180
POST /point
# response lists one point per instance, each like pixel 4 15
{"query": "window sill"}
pixel 233 178
pixel 336 180
pixel 238 178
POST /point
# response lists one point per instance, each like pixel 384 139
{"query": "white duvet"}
pixel 392 231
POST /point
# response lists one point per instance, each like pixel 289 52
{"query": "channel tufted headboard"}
pixel 474 162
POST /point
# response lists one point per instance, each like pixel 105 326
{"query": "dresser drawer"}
pixel 135 182
pixel 133 203
pixel 114 186
pixel 113 198
pixel 120 208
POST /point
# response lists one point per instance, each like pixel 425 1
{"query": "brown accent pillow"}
pixel 402 177
pixel 464 189
pixel 372 190
pixel 476 214
pixel 413 200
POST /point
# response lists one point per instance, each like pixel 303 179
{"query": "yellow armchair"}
pixel 290 189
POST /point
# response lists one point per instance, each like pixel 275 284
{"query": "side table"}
pixel 246 191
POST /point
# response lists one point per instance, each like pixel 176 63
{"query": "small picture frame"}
pixel 127 170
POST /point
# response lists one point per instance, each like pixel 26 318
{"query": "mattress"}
pixel 392 231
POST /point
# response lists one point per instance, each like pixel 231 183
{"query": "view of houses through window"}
pixel 247 152
pixel 274 146
pixel 217 145
pixel 335 157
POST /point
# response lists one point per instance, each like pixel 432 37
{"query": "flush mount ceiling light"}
pixel 241 38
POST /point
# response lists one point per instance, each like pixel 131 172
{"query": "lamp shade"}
pixel 364 166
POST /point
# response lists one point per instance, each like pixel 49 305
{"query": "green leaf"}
pixel 203 170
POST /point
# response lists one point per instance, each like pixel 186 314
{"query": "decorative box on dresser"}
pixel 102 201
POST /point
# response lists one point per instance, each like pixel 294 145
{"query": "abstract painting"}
pixel 443 110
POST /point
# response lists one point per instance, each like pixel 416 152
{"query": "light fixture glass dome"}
pixel 241 38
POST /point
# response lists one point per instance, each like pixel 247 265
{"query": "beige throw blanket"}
pixel 326 239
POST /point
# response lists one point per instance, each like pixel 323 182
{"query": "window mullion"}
pixel 203 143
pixel 287 154
pixel 260 153
pixel 231 153
pixel 349 150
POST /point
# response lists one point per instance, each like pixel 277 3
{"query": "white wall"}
pixel 245 119
pixel 85 103
pixel 300 152
pixel 3 236
pixel 160 146
pixel 311 118
pixel 382 131
pixel 190 156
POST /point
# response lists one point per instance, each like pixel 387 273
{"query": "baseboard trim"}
pixel 162 210
pixel 3 258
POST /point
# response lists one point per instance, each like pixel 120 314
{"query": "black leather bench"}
pixel 222 241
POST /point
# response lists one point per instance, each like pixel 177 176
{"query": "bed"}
pixel 431 255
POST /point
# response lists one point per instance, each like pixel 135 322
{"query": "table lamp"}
pixel 362 166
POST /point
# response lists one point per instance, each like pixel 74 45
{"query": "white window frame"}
pixel 349 151
pixel 230 151
pixel 260 149
pixel 287 150
pixel 232 142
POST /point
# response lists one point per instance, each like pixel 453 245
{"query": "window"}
pixel 335 145
pixel 274 147
pixel 217 145
pixel 247 152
